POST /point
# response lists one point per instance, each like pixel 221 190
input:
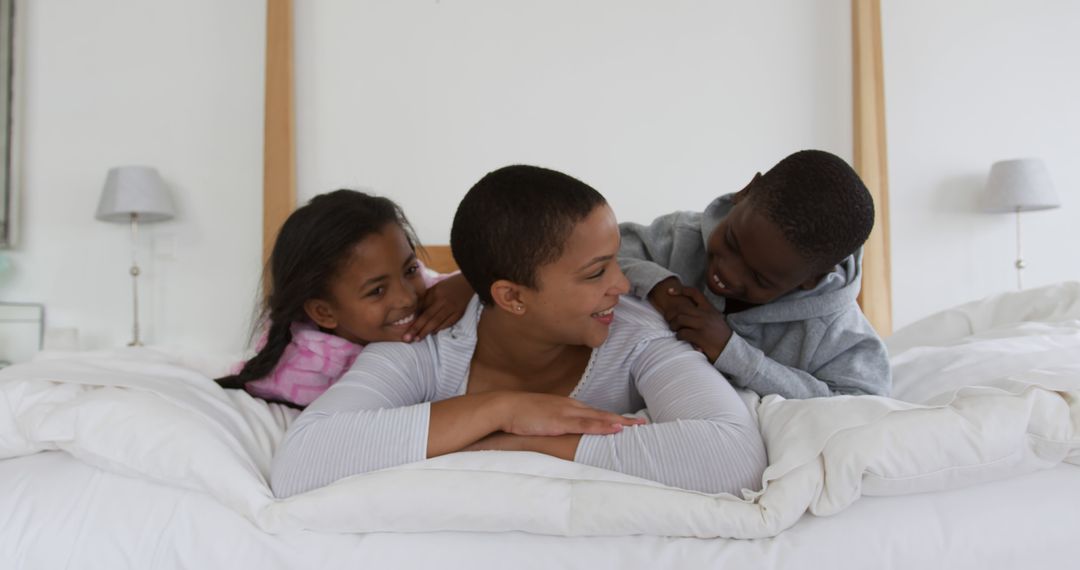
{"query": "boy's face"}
pixel 750 260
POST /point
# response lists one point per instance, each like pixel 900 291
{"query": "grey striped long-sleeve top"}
pixel 702 437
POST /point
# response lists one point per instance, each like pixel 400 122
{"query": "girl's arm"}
pixel 443 304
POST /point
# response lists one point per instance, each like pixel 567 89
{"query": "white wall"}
pixel 659 105
pixel 968 83
pixel 176 85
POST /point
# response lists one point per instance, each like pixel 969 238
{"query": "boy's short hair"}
pixel 515 220
pixel 819 203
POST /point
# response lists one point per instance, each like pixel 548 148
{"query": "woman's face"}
pixel 376 295
pixel 575 296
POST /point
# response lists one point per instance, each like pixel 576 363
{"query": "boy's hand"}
pixel 443 304
pixel 700 324
pixel 668 298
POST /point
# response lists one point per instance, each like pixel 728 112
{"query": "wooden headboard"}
pixel 279 184
pixel 439 258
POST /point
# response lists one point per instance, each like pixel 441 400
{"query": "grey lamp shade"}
pixel 134 190
pixel 1020 185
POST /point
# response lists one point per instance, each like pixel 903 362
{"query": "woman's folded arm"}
pixel 378 415
pixel 702 436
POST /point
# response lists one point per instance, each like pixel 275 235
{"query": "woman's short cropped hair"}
pixel 515 220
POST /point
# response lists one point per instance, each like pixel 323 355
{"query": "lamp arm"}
pixel 1020 265
pixel 135 280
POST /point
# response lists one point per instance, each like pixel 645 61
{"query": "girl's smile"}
pixel 377 294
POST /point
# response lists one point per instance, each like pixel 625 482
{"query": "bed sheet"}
pixel 996 406
pixel 62 513
pixel 997 399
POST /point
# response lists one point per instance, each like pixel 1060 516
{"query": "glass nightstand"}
pixel 22 331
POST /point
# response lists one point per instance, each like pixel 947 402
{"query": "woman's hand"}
pixel 443 304
pixel 459 422
pixel 527 413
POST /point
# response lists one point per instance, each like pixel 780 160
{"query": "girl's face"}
pixel 575 296
pixel 376 295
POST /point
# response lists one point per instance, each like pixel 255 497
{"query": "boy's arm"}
pixel 854 358
pixel 645 253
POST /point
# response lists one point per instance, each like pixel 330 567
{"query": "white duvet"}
pixel 983 392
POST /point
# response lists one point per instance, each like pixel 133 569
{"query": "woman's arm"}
pixel 702 437
pixel 380 415
pixel 561 446
pixel 376 416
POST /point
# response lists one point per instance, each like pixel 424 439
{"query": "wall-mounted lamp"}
pixel 1016 186
pixel 134 194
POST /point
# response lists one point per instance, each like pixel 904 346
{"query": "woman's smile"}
pixel 606 316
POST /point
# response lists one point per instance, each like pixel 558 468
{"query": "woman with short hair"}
pixel 547 357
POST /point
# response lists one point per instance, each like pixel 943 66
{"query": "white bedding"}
pixel 62 513
pixel 999 403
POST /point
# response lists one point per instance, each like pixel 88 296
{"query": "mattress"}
pixel 61 513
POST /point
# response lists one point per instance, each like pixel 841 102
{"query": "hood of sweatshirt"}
pixel 836 291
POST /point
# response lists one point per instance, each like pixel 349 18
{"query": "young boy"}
pixel 764 281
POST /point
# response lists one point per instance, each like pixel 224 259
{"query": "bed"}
pixel 134 458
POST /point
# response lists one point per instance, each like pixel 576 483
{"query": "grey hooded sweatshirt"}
pixel 804 344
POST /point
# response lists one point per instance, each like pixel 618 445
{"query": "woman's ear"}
pixel 742 194
pixel 321 313
pixel 507 295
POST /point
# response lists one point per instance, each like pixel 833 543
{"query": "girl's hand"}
pixel 443 304
pixel 527 413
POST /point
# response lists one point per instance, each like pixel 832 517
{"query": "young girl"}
pixel 343 273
